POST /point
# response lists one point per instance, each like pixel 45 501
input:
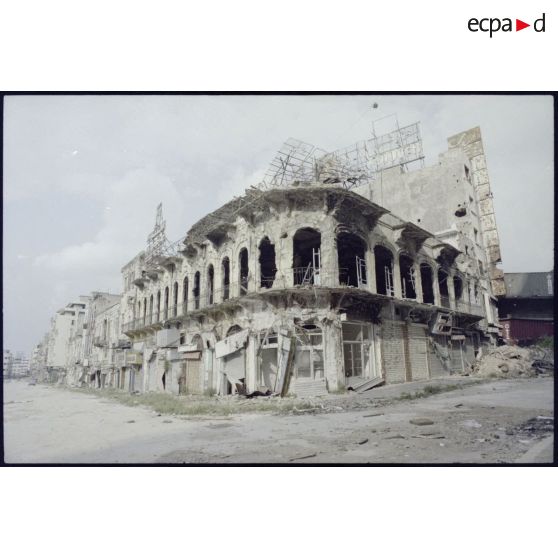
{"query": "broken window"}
pixel 210 283
pixel 175 299
pixel 427 285
pixel 166 304
pixel 443 284
pixel 151 309
pixel 306 257
pixel 384 271
pixel 467 173
pixel 226 269
pixel 267 263
pixel 309 358
pixel 407 272
pixel 243 271
pixel 268 355
pixel 196 291
pixel 458 287
pixel 185 295
pixel 351 253
pixel 144 310
pixel 476 293
pixel 234 365
pixel 357 341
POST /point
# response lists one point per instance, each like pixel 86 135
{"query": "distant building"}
pixel 15 366
pixel 7 364
pixel 527 309
pixel 20 365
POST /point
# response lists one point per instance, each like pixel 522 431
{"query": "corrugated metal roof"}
pixel 526 285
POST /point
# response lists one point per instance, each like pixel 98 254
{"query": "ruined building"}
pixel 318 281
pixel 341 270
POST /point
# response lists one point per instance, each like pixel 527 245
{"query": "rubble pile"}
pixel 513 362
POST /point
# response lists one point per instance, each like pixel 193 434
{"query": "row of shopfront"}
pixel 317 356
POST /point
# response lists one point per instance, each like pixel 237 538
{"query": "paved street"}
pixel 485 423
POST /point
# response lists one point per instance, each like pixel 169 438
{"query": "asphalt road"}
pixel 486 423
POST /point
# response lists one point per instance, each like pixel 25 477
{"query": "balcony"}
pixel 469 308
pixel 233 292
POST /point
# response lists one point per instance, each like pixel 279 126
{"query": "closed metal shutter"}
pixel 191 381
pixel 418 353
pixel 393 352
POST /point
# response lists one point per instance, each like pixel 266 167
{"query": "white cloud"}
pixel 132 202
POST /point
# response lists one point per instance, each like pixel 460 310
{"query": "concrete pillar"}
pixel 371 269
pixel 436 285
pixel 251 378
pixel 217 282
pixel 330 263
pixel 284 261
pixel 253 266
pixel 418 282
pixel 333 356
pixel 397 277
pixel 254 283
pixel 451 292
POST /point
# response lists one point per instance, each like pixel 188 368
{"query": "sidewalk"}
pixel 542 452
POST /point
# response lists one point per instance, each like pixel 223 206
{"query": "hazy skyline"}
pixel 83 176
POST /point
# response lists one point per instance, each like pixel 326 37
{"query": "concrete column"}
pixel 397 277
pixel 418 282
pixel 251 363
pixel 333 356
pixel 371 269
pixel 253 266
pixel 451 292
pixel 255 271
pixel 284 262
pixel 330 263
pixel 436 285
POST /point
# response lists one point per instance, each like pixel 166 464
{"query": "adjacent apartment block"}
pixel 527 310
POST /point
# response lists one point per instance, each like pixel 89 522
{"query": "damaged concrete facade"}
pixel 323 282
pixel 312 288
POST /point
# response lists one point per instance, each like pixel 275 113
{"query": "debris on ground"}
pixel 421 422
pixel 511 362
pixel 303 457
pixel 536 427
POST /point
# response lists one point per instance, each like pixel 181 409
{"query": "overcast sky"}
pixel 83 176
